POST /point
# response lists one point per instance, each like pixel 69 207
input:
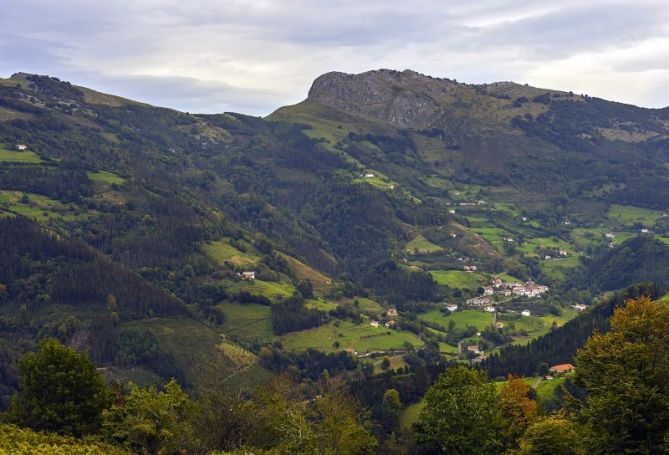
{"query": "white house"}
pixel 21 147
pixel 392 312
pixel 248 276
pixel 489 309
pixel 374 323
pixel 610 235
pixel 526 313
pixel 488 290
pixel 645 231
pixel 369 175
pixel 451 307
pixel 451 211
pixel 564 253
pixel 579 307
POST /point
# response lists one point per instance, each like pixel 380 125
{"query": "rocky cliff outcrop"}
pixel 406 99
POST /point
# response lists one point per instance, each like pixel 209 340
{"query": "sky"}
pixel 253 56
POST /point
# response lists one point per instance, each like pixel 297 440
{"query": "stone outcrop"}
pixel 405 99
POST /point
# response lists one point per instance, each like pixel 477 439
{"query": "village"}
pixel 499 288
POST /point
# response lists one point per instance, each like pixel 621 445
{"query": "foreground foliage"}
pixel 626 375
pixel 16 440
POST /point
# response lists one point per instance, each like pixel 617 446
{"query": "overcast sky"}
pixel 252 56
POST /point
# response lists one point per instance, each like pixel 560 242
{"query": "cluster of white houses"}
pixel 528 289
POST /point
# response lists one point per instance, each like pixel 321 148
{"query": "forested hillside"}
pixel 390 223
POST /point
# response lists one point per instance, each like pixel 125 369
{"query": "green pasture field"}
pixel 361 337
pixel 458 279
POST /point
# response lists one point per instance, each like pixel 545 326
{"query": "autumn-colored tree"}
pixel 553 435
pixel 517 411
pixel 626 375
pixel 460 413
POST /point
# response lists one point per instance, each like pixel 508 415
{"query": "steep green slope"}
pixel 379 192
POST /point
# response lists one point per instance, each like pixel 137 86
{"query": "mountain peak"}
pixel 403 98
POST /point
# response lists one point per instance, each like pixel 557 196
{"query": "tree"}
pixel 516 411
pixel 306 288
pixel 385 363
pixel 59 391
pixel 390 409
pixel 552 435
pixel 338 427
pixel 626 375
pixel 460 413
pixel 151 420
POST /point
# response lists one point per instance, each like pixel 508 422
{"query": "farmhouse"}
pixel 390 324
pixel 470 268
pixel 488 290
pixel 474 348
pixel 369 175
pixel 610 235
pixel 392 312
pixel 579 307
pixel 489 309
pixel 451 307
pixel 451 211
pixel 526 313
pixel 21 147
pixel 248 276
pixel 374 323
pixel 562 368
pixel 564 253
pixel 479 301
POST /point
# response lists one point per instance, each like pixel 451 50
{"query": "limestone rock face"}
pixel 405 99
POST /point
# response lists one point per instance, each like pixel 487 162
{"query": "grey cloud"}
pixel 579 29
pixel 205 55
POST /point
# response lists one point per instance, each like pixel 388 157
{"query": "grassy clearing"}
pixel 380 182
pixel 270 289
pixel 361 337
pixel 529 246
pixel 422 245
pixel 39 207
pixel 248 322
pixel 222 252
pixel 320 304
pixel 366 305
pixel 396 362
pixel 627 214
pixel 322 283
pixel 557 267
pixel 11 156
pixel 458 279
pixel 410 413
pixel 586 237
pixel 106 177
pixel 462 318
